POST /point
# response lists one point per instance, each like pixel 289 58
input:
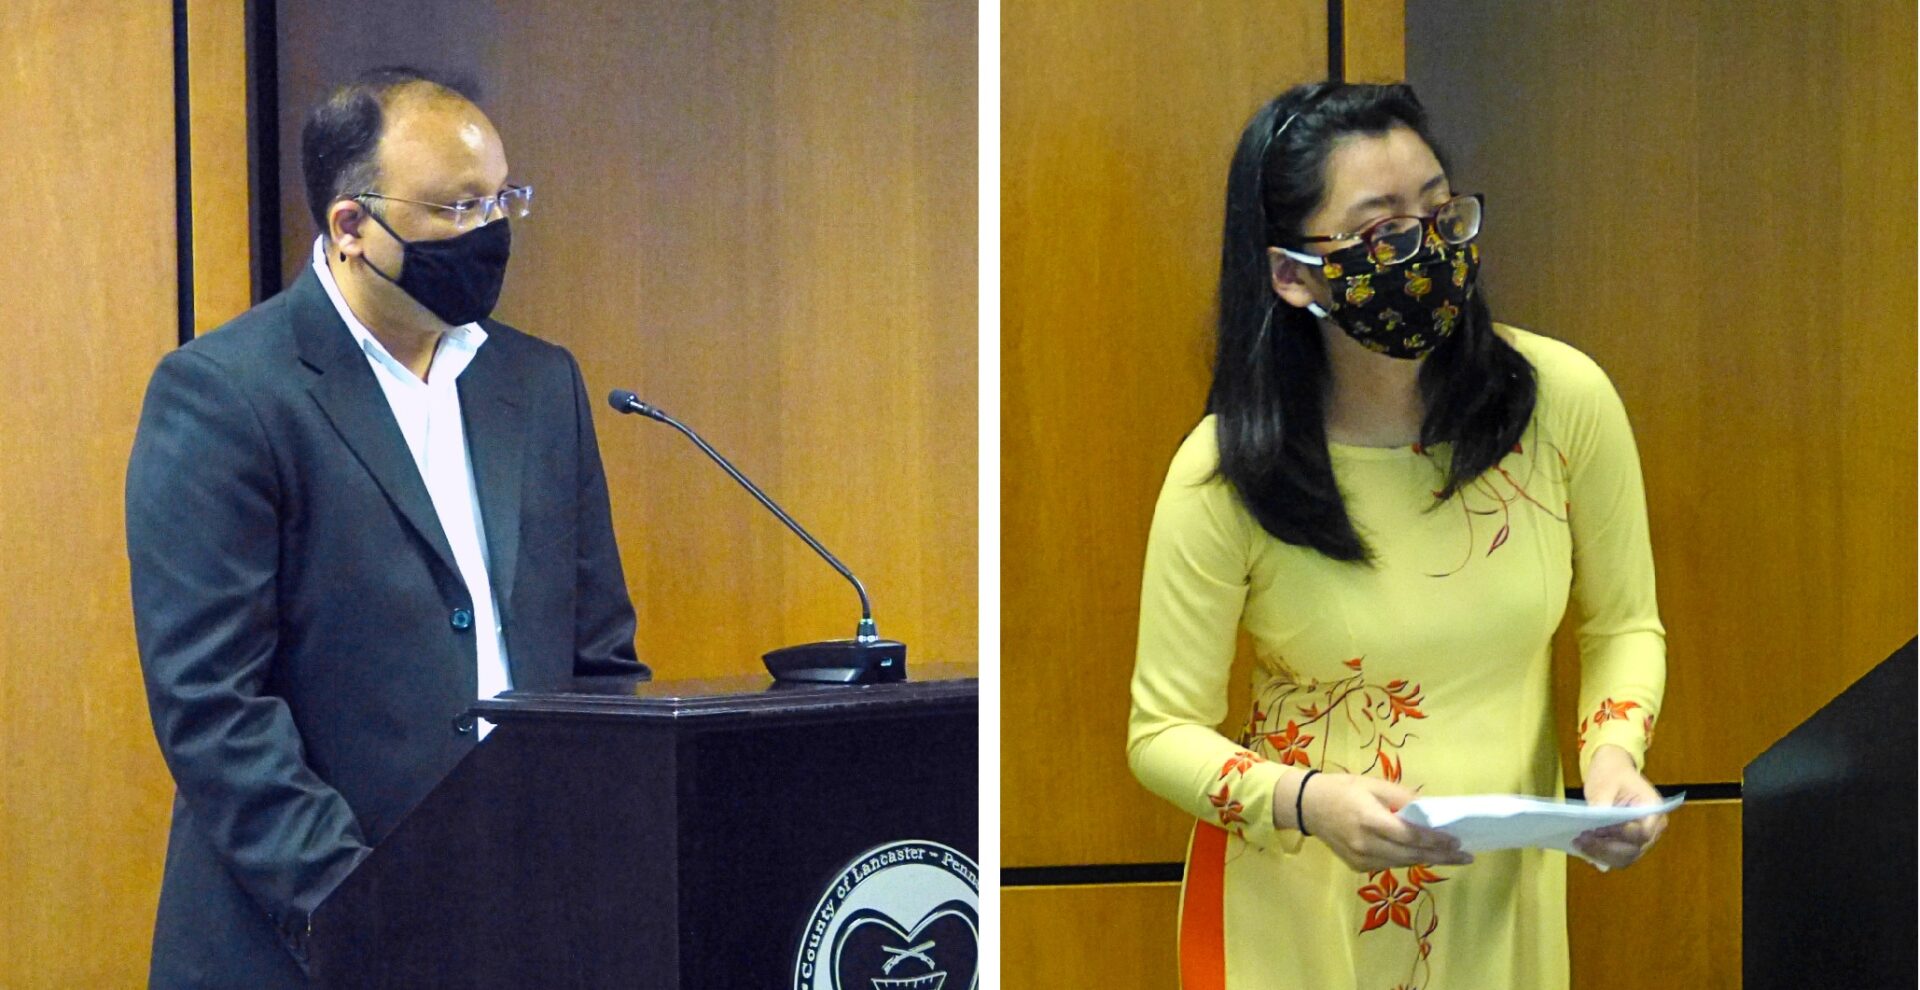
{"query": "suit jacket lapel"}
pixel 489 403
pixel 347 392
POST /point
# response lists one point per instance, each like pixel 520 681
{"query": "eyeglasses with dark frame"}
pixel 1399 239
pixel 467 214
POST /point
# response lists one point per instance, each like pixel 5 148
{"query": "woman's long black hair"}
pixel 1270 373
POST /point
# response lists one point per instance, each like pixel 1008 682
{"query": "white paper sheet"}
pixel 1487 822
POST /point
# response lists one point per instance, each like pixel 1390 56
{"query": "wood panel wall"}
pixel 1726 225
pixel 90 285
pixel 1373 40
pixel 1670 921
pixel 1097 935
pixel 761 218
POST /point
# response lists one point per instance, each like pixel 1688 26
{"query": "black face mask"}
pixel 457 279
pixel 1406 310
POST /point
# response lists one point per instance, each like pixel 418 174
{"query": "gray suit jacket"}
pixel 306 637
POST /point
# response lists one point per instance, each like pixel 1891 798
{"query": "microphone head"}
pixel 624 401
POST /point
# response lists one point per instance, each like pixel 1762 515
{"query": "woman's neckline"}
pixel 1367 452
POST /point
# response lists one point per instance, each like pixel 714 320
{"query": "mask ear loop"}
pixel 404 243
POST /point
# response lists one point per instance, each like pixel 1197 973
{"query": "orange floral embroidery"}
pixel 1373 711
pixel 1409 905
pixel 1228 809
pixel 1291 746
pixel 1418 876
pixel 1225 807
pixel 1389 902
pixel 1403 701
pixel 1239 762
pixel 1611 709
pixel 1495 494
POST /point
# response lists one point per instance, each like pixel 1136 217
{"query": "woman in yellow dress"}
pixel 1396 499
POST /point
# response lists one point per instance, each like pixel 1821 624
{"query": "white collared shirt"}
pixel 428 414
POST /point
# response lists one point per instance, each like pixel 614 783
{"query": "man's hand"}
pixel 1613 781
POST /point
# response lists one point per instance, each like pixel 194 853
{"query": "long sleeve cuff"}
pixel 1215 780
pixel 1620 696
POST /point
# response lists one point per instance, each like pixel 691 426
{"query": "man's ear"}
pixel 345 219
pixel 1297 284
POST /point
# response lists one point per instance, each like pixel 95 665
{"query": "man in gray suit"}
pixel 352 511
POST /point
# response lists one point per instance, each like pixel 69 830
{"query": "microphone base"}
pixel 839 661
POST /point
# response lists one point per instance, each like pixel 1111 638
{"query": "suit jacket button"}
pixel 461 619
pixel 462 723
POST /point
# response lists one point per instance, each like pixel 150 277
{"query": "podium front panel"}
pixel 702 834
pixel 1828 825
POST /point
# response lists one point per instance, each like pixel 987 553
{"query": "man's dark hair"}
pixel 342 133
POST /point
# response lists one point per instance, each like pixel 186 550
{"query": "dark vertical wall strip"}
pixel 182 171
pixel 263 144
pixel 1337 40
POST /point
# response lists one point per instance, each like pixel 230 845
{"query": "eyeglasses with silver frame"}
pixel 467 214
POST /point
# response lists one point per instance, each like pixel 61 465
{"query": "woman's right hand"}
pixel 1356 817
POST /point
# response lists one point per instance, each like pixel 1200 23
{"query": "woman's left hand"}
pixel 1613 781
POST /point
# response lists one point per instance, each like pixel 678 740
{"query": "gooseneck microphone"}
pixel 864 659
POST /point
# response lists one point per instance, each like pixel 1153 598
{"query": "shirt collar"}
pixel 456 349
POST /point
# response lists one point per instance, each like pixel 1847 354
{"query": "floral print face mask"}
pixel 1403 310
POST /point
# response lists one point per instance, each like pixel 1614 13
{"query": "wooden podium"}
pixel 1827 835
pixel 683 834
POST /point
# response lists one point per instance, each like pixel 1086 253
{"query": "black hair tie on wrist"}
pixel 1299 817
